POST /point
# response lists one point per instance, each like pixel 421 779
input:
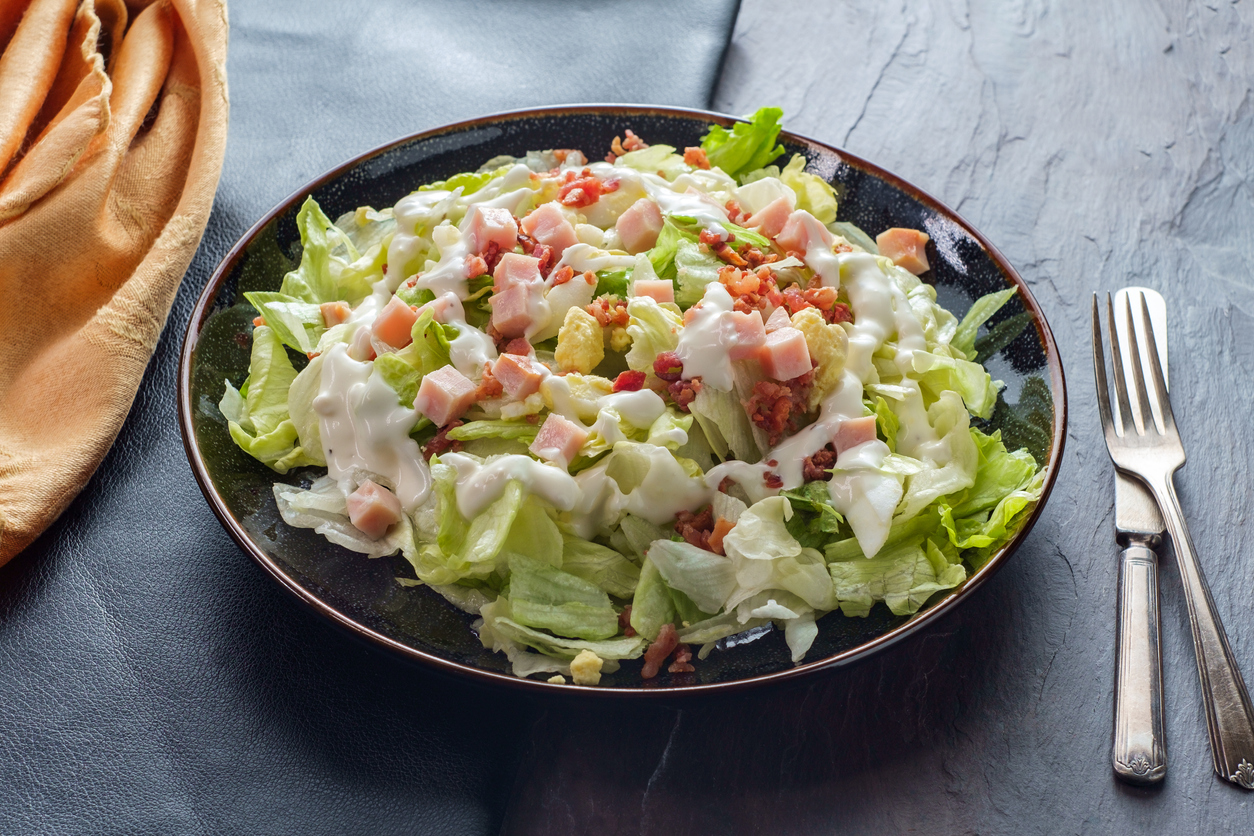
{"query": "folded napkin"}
pixel 112 129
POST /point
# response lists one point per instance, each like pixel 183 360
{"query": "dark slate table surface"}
pixel 152 680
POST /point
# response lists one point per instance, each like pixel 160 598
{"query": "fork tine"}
pixel 1099 372
pixel 1126 418
pixel 1138 375
pixel 1160 382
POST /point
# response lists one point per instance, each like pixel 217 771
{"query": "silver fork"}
pixel 1146 445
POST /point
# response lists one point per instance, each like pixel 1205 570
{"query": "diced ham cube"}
pixel 515 268
pixel 519 376
pixel 854 431
pixel 750 334
pixel 559 440
pixel 659 290
pixel 549 226
pixel 444 395
pixel 511 313
pixel 335 313
pixel 394 323
pixel 373 509
pixel 802 231
pixel 770 219
pixel 778 319
pixel 722 527
pixel 361 349
pixel 490 225
pixel 639 226
pixel 906 247
pixel 784 354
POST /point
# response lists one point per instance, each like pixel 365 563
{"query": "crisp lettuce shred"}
pixel 936 482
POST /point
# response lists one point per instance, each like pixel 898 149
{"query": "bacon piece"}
pixel 608 311
pixel 373 509
pixel 659 290
pixel 684 392
pixel 683 660
pixel 815 467
pixel 629 381
pixel 394 323
pixel 696 528
pixel 722 526
pixel 581 191
pixel 772 480
pixel 547 225
pixel 661 647
pixel 771 218
pixel 739 282
pixel 777 407
pixel 906 247
pixel 854 431
pixel 335 313
pixel 441 443
pixel 559 439
pixel 519 375
pixel 784 354
pixel 667 366
pixel 475 267
pixel 486 225
pixel 562 275
pixel 444 394
pixel 638 227
pixel 695 157
pixel 624 622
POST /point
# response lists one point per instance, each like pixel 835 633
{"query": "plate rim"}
pixel 209 293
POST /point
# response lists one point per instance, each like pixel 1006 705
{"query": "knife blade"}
pixel 1140 751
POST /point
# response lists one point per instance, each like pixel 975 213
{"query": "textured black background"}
pixel 152 680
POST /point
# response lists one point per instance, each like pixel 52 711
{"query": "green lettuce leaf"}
pixel 694 269
pixel 547 598
pixel 747 146
pixel 903 578
pixel 297 324
pixel 599 565
pixel 653 329
pixel 322 276
pixel 662 256
pixel 981 310
pixel 652 604
pixel 814 194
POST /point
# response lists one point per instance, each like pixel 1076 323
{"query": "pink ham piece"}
pixel 801 232
pixel 486 225
pixel 510 312
pixel 514 268
pixel 854 431
pixel 778 319
pixel 394 323
pixel 784 354
pixel 770 219
pixel 335 313
pixel 639 226
pixel 373 509
pixel 750 334
pixel 659 290
pixel 906 247
pixel 519 376
pixel 559 440
pixel 444 395
pixel 549 226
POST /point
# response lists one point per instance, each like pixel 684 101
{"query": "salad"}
pixel 632 407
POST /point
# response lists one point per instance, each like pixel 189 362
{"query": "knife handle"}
pixel 1140 752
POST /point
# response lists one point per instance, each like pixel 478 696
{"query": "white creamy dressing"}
pixel 819 256
pixel 681 197
pixel 706 341
pixel 363 428
pixel 448 275
pixel 415 214
pixel 480 484
pixel 471 349
pixel 664 491
pixel 584 257
pixel 640 409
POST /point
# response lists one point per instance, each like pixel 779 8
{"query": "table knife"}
pixel 1140 752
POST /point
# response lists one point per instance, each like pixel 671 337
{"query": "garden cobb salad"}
pixel 631 407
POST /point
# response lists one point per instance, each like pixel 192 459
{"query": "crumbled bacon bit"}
pixel 662 646
pixel 683 660
pixel 815 467
pixel 475 267
pixel 563 274
pixel 259 321
pixel 584 190
pixel 496 336
pixel 489 386
pixel 755 258
pixel 492 255
pixel 842 248
pixel 696 528
pixel 312 354
pixel 748 297
pixel 518 346
pixel 778 407
pixel 734 213
pixel 772 480
pixel 710 238
pixel 441 443
pixel 695 156
pixel 609 310
pixel 624 622
pixel 629 381
pixel 560 154
pixel 726 485
pixel 621 146
pixel 684 392
pixel 739 282
pixel 668 366
pixel 547 258
pixel 525 241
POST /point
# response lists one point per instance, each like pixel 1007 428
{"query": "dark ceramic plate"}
pixel 363 595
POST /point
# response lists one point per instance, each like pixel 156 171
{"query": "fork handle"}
pixel 1140 753
pixel 1229 716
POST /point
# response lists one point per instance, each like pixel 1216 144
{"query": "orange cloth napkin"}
pixel 113 121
